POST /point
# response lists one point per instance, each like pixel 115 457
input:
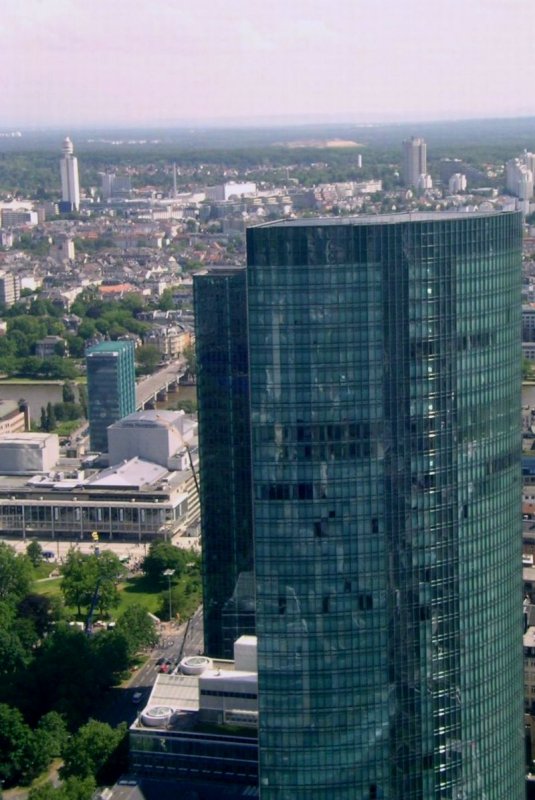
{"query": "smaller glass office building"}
pixel 111 388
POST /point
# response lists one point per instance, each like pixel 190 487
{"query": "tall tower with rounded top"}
pixel 70 186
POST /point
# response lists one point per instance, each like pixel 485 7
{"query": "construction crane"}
pixel 192 467
pixel 94 600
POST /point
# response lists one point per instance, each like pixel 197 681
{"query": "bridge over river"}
pixel 155 387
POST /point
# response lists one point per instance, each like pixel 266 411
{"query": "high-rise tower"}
pixel 385 392
pixel 111 388
pixel 225 454
pixel 70 186
pixel 414 161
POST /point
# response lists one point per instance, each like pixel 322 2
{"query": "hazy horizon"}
pixel 72 64
pixel 245 123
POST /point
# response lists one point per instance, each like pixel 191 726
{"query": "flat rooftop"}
pixel 380 219
pixel 179 692
pixel 103 348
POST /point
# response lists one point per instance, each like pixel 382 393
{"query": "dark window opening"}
pixel 365 602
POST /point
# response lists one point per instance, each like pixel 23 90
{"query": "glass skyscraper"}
pixel 225 458
pixel 111 388
pixel 385 393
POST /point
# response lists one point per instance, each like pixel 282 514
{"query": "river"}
pixel 38 394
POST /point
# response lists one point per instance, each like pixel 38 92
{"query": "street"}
pixel 175 643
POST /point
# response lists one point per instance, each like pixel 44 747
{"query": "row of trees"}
pixel 53 675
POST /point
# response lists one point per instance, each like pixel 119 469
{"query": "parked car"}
pixel 136 697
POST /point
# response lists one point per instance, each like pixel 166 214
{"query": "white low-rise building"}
pixel 28 453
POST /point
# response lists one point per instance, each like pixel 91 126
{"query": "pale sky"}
pixel 113 62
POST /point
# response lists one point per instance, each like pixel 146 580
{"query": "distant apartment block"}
pixel 14 417
pixel 169 339
pixel 519 176
pixel 226 191
pixel 457 183
pixel 51 346
pixel 62 249
pixel 9 288
pixel 112 185
pixel 12 217
pixel 414 161
pixel 6 238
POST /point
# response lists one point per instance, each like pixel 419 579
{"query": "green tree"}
pixel 148 357
pixel 112 656
pixel 42 610
pixel 83 575
pixel 82 397
pixel 138 628
pixel 79 579
pixel 46 792
pixel 68 392
pixel 34 551
pixel 166 301
pixel 53 732
pixel 50 417
pixel 69 674
pixel 15 574
pixel 133 303
pixel 109 571
pixel 189 405
pixel 76 345
pixel 191 359
pixel 92 746
pixel 87 329
pixel 16 745
pixel 14 656
pixel 162 556
pixel 72 788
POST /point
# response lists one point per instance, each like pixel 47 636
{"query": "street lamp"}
pixel 168 573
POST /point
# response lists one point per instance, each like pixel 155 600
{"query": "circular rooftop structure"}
pixel 157 716
pixel 195 665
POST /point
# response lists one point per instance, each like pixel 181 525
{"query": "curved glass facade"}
pixel 385 394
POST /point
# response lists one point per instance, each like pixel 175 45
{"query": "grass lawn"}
pixel 66 427
pixel 43 570
pixel 140 591
pixel 134 591
pixel 48 587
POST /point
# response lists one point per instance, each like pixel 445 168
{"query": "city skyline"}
pixel 73 64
